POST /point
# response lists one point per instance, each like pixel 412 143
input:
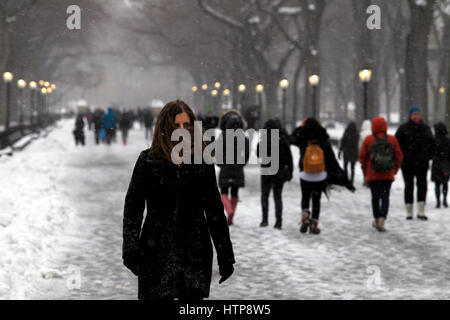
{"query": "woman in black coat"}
pixel 231 176
pixel 312 188
pixel 171 253
pixel 440 170
pixel 277 181
pixel 349 147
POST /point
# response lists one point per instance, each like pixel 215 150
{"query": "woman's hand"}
pixel 225 272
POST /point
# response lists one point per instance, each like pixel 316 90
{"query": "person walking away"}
pixel 79 130
pixel 109 123
pixel 275 182
pixel 97 123
pixel 171 251
pixel 148 123
pixel 381 158
pixel 319 170
pixel 417 143
pixel 440 170
pixel 349 148
pixel 231 175
pixel 125 126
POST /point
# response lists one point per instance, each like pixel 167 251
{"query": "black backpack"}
pixel 382 155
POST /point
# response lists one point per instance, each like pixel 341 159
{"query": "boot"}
pixel 305 221
pixel 438 204
pixel 234 201
pixel 381 225
pixel 314 229
pixel 445 202
pixel 264 224
pixel 409 211
pixel 421 211
pixel 227 204
pixel 375 223
pixel 277 225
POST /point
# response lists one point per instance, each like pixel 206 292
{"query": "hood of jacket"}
pixel 379 125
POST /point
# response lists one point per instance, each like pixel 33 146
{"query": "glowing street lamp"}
pixel 365 76
pixel 260 90
pixel 194 89
pixel 22 84
pixel 217 85
pixel 214 93
pixel 47 84
pixel 284 84
pixel 8 78
pixel 204 87
pixel 33 86
pixel 314 81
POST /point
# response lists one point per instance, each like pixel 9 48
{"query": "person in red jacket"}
pixel 379 180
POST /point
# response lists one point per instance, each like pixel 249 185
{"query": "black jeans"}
pixel 438 191
pixel 268 183
pixel 312 190
pixel 380 197
pixel 420 173
pixel 234 191
pixel 352 170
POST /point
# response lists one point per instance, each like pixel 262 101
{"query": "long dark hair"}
pixel 165 125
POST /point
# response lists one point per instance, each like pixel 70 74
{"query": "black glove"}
pixel 134 262
pixel 225 272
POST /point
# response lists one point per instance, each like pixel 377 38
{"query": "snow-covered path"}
pixel 349 260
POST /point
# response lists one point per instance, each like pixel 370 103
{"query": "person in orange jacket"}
pixel 381 158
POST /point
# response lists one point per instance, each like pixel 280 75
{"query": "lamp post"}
pixel 43 106
pixel 8 78
pixel 33 87
pixel 226 94
pixel 22 84
pixel 259 91
pixel 194 94
pixel 284 84
pixel 314 81
pixel 242 89
pixel 365 76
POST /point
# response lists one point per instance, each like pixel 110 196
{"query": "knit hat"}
pixel 413 110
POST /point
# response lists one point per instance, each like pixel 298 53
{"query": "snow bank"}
pixel 32 214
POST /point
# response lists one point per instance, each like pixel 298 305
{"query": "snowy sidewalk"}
pixel 74 249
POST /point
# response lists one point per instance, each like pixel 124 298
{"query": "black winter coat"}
pixel 232 175
pixel 285 159
pixel 335 175
pixel 350 143
pixel 184 210
pixel 417 144
pixel 440 170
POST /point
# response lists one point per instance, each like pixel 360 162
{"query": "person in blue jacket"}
pixel 109 123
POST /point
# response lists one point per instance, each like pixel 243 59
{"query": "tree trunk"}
pixel 416 68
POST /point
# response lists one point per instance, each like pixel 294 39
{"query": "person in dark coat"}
pixel 79 130
pixel 148 123
pixel 109 123
pixel 125 125
pixel 417 143
pixel 97 122
pixel 440 170
pixel 277 181
pixel 314 184
pixel 349 147
pixel 171 252
pixel 231 176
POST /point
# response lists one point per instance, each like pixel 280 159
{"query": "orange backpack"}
pixel 314 160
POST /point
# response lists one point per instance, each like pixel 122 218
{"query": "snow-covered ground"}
pixel 61 234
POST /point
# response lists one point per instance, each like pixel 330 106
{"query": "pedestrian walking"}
pixel 148 123
pixel 319 170
pixel 125 125
pixel 172 253
pixel 78 132
pixel 381 158
pixel 418 146
pixel 109 123
pixel 440 170
pixel 277 181
pixel 349 149
pixel 231 176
